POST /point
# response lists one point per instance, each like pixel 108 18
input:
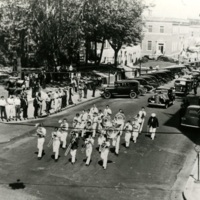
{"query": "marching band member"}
pixel 89 142
pixel 153 125
pixel 76 120
pixel 41 133
pixel 136 128
pixel 117 138
pixel 88 129
pixel 107 111
pixel 101 140
pixel 56 137
pixel 93 110
pixel 94 124
pixel 128 130
pixel 84 115
pixel 104 152
pixel 142 114
pixel 74 147
pixel 64 132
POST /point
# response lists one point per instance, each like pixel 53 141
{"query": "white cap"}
pixel 153 114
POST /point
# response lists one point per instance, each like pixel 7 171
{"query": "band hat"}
pixel 153 114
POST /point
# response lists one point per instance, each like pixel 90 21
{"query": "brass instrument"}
pixel 69 146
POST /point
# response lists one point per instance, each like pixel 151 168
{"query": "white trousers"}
pixel 94 126
pixel 11 111
pixel 40 145
pixel 64 138
pixel 152 131
pixel 135 136
pixel 116 144
pixel 56 147
pixel 73 154
pixel 88 155
pixel 141 125
pixel 127 138
pixel 104 157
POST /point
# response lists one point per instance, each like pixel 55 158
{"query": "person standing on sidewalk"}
pixel 70 94
pixel 17 103
pixel 24 106
pixel 94 86
pixel 195 86
pixel 41 133
pixel 3 104
pixel 153 125
pixel 36 106
pixel 11 107
pixel 80 92
pixel 85 89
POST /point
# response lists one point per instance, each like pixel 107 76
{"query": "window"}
pixel 150 28
pixel 161 29
pixel 149 46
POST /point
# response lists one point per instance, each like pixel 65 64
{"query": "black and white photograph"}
pixel 99 99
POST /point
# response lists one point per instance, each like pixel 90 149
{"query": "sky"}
pixel 176 8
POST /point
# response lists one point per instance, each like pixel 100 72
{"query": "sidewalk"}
pixel 75 99
pixel 192 188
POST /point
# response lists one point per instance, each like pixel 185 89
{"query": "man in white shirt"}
pixel 3 108
pixel 11 107
pixel 93 110
pixel 142 114
pixel 17 103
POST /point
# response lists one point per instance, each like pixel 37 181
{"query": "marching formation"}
pixel 96 124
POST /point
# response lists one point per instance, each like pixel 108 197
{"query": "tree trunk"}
pixel 115 57
pixel 101 53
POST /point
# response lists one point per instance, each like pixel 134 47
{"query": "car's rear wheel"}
pixel 107 95
pixel 133 95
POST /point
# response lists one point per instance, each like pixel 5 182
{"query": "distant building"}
pixel 165 36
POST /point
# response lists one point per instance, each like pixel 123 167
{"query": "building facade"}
pixel 165 36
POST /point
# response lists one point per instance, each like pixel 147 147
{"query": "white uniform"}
pixel 89 145
pixel 11 108
pixel 76 121
pixel 142 115
pixel 116 141
pixel 84 116
pixel 56 136
pixel 107 111
pixel 104 153
pixel 94 125
pixel 41 132
pixel 128 131
pixel 64 134
pixel 136 128
pixel 93 110
pixel 101 140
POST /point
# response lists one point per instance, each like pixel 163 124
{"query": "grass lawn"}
pixel 154 63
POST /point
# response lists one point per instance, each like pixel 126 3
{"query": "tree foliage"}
pixel 53 31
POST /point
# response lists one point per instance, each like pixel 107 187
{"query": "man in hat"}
pixel 89 142
pixel 56 137
pixel 64 132
pixel 142 114
pixel 41 133
pixel 74 146
pixel 128 130
pixel 153 125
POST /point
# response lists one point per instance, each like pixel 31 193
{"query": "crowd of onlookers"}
pixel 15 107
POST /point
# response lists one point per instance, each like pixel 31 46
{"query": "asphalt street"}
pixel 148 170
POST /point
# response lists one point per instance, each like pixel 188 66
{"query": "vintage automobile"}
pixel 4 78
pixel 14 85
pixel 183 86
pixel 129 88
pixel 163 97
pixel 144 83
pixel 191 117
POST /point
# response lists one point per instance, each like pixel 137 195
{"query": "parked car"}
pixel 183 86
pixel 191 117
pixel 151 80
pixel 163 97
pixel 4 78
pixel 129 88
pixel 144 83
pixel 14 85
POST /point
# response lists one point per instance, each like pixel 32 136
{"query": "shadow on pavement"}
pixel 17 185
pixel 175 121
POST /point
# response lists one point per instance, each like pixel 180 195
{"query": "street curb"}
pixel 49 116
pixel 187 193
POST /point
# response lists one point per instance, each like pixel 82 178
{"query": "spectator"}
pixel 94 88
pixel 3 108
pixel 27 82
pixel 85 88
pixel 17 103
pixel 10 107
pixel 36 105
pixel 74 84
pixel 24 106
pixel 48 103
pixel 64 98
pixel 39 97
pixel 70 94
pixel 80 91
